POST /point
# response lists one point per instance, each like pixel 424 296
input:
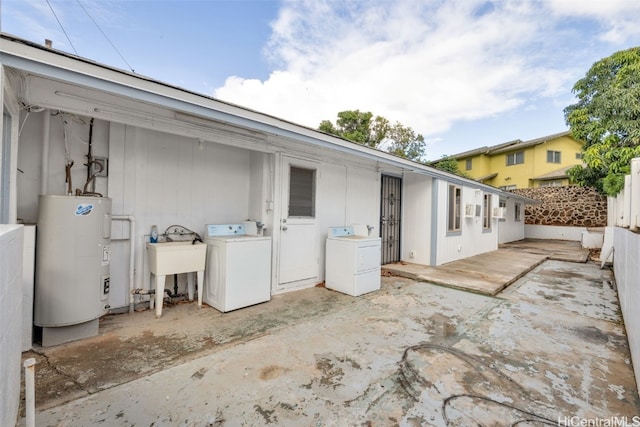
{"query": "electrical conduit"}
pixel 132 245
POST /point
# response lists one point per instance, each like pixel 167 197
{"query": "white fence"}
pixel 624 214
pixel 624 210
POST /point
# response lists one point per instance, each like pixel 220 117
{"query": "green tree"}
pixel 607 118
pixel 377 132
pixel 450 164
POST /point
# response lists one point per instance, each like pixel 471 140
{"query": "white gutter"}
pixel 132 242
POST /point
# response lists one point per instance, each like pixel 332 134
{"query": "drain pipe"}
pixel 132 244
pixel 30 391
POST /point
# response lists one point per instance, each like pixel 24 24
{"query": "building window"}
pixel 508 187
pixel 518 212
pixel 578 156
pixel 302 192
pixel 486 214
pixel 552 183
pixel 516 158
pixel 468 164
pixel 454 203
pixel 553 156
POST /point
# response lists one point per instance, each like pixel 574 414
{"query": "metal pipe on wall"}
pixel 132 245
pixel 44 178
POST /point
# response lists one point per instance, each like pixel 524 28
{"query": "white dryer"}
pixel 238 272
pixel 352 262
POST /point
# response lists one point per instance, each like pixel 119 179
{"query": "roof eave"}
pixel 38 59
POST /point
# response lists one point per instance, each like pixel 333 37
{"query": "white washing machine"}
pixel 238 272
pixel 352 262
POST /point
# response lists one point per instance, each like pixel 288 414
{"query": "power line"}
pixel 103 33
pixel 63 30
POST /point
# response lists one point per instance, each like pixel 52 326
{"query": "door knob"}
pixel 284 228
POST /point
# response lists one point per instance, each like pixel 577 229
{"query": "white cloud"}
pixel 617 18
pixel 425 65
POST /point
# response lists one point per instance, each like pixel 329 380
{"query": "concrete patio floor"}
pixel 552 345
pixel 491 272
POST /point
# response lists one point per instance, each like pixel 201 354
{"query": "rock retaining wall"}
pixel 567 206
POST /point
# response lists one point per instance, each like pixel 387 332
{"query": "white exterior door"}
pixel 298 260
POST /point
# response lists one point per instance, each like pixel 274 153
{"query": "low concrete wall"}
pixel 553 232
pixel 11 241
pixel 626 266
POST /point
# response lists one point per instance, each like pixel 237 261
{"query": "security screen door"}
pixel 390 214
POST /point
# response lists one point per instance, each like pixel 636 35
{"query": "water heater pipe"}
pixel 132 246
pixel 30 391
pixel 44 179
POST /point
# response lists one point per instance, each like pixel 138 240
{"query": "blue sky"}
pixel 464 73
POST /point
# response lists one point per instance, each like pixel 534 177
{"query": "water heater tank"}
pixel 73 257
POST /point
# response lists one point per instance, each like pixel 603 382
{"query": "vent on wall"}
pixel 469 210
pixel 499 213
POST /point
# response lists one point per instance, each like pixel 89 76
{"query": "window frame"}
pixel 454 206
pixel 304 206
pixel 517 216
pixel 487 205
pixel 551 183
pixel 554 156
pixel 468 164
pixel 517 156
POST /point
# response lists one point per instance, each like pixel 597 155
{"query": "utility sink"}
pixel 176 258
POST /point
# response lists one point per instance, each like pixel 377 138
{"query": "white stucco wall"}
pixel 472 239
pixel 164 179
pixel 626 266
pixel 510 230
pixel 416 219
pixel 11 243
pixel 159 178
pixel 346 195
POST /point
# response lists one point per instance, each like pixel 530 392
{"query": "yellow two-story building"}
pixel 522 164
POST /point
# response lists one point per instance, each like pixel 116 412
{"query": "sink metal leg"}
pixel 190 286
pixel 152 285
pixel 200 286
pixel 159 295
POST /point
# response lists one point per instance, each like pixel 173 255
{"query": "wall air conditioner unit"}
pixel 469 211
pixel 499 213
